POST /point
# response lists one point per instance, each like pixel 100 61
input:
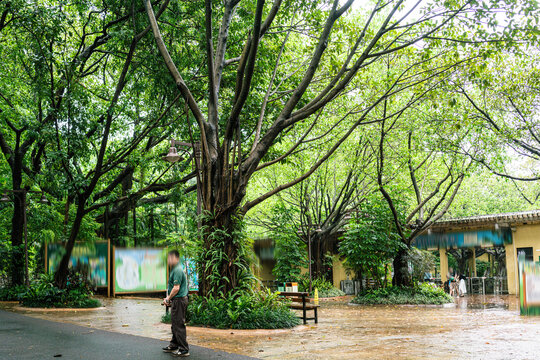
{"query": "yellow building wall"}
pixel 483 257
pixel 338 272
pixel 444 265
pixel 524 236
pixel 265 270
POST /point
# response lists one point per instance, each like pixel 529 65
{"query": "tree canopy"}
pixel 313 106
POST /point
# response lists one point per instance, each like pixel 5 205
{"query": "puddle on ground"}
pixel 486 327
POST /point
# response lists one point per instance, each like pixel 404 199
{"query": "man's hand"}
pixel 166 301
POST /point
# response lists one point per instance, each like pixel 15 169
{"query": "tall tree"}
pixel 32 92
pixel 415 163
pixel 305 32
pixel 503 101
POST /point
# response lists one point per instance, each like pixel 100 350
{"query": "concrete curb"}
pixel 57 309
pixel 447 305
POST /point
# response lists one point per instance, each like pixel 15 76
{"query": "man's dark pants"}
pixel 178 323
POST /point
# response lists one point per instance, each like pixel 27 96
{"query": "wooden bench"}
pixel 301 301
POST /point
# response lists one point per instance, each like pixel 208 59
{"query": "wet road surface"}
pixel 478 327
pixel 24 337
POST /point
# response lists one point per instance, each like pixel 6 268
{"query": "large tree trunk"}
pixel 17 223
pixel 60 277
pixel 222 259
pixel 401 269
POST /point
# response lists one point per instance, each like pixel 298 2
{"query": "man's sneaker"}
pixel 179 353
pixel 170 349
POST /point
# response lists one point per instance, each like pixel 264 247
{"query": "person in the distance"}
pixel 178 301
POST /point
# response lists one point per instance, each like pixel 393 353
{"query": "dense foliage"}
pixel 290 251
pixel 44 294
pixel 325 288
pixel 12 293
pixel 424 293
pixel 371 241
pixel 422 261
pixel 259 310
pixel 210 252
pixel 330 100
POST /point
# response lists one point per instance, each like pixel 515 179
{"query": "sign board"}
pixel 87 258
pixel 529 286
pixel 139 270
pixel 190 268
pixel 449 240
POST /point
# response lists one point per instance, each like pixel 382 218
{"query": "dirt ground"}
pixel 478 327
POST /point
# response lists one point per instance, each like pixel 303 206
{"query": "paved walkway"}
pixel 24 337
pixel 478 327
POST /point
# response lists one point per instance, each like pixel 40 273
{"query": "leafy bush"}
pixel 317 283
pixel 422 261
pixel 12 293
pixel 290 251
pixel 326 288
pixel 166 318
pixel 424 293
pixel 260 310
pixel 371 241
pixel 482 268
pixel 43 293
pixel 333 292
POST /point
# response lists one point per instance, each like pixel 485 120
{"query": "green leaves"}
pixel 371 240
pixel 259 310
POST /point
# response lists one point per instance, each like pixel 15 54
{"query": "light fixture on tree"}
pixel 44 200
pixel 173 155
pixel 5 198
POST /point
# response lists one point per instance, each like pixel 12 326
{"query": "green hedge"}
pixel 43 293
pixel 326 288
pixel 328 293
pixel 260 310
pixel 422 294
pixel 12 293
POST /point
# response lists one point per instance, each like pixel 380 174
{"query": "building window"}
pixel 527 251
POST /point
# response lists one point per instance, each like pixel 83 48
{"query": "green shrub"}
pixel 326 288
pixel 166 318
pixel 290 251
pixel 482 268
pixel 371 240
pixel 424 293
pixel 260 310
pixel 12 293
pixel 333 292
pixel 317 283
pixel 43 293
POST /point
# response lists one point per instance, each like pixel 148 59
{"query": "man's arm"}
pixel 174 291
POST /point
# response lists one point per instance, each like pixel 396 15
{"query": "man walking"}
pixel 178 300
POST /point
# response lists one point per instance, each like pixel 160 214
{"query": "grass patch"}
pixel 424 293
pixel 260 310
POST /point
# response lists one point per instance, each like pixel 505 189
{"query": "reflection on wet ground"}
pixel 478 327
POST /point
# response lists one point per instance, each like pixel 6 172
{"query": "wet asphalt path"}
pixel 23 337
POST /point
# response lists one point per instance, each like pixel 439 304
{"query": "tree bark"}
pixel 401 269
pixel 60 277
pixel 221 274
pixel 17 223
